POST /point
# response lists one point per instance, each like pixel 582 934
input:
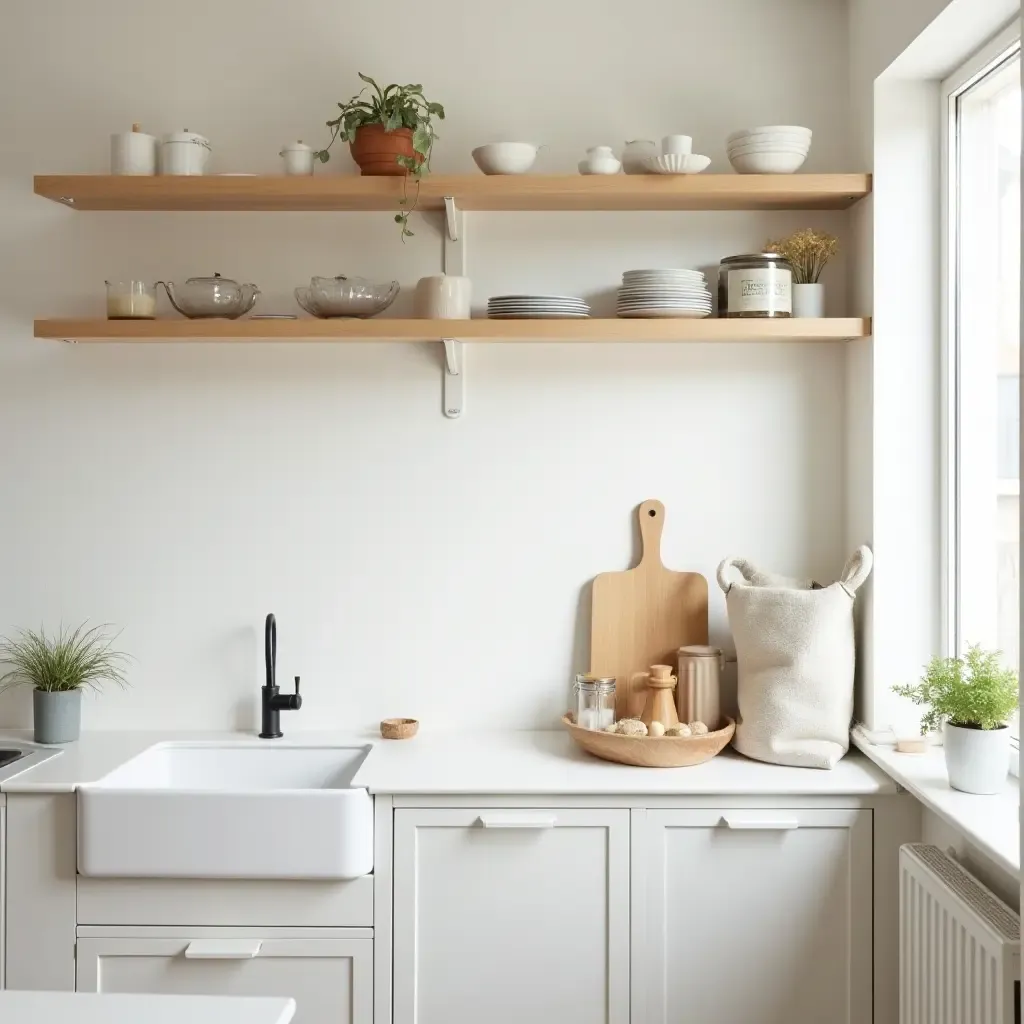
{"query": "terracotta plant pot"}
pixel 377 151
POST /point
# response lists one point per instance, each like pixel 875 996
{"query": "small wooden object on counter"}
pixel 660 706
pixel 652 751
pixel 642 616
pixel 399 728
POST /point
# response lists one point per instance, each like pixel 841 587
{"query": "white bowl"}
pixel 777 147
pixel 505 157
pixel 771 129
pixel 767 163
pixel 677 163
pixel 770 143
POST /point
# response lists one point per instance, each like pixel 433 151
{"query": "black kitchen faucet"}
pixel 274 702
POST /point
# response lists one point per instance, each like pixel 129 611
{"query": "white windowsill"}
pixel 991 823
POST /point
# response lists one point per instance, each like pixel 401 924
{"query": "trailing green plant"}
pixel 975 691
pixel 68 660
pixel 394 107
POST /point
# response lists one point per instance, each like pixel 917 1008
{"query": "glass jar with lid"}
pixel 755 285
pixel 594 699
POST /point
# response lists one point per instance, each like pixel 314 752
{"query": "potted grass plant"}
pixel 808 252
pixel 974 698
pixel 390 131
pixel 58 668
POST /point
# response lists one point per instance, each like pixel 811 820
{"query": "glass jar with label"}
pixel 755 285
pixel 595 701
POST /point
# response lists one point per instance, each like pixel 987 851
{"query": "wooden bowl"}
pixel 652 751
pixel 399 728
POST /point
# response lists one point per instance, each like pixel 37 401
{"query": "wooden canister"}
pixel 698 696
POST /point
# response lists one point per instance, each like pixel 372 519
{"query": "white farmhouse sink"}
pixel 242 810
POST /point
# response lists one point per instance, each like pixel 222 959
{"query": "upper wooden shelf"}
pixel 471 192
pixel 384 329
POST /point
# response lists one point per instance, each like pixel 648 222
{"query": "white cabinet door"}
pixel 760 917
pixel 511 916
pixel 331 980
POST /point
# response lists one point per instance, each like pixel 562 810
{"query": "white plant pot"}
pixel 977 760
pixel 809 300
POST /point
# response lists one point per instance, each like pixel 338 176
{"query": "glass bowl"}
pixel 345 296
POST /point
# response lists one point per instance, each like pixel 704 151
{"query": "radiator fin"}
pixel 959 944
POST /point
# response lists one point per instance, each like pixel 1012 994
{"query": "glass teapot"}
pixel 213 296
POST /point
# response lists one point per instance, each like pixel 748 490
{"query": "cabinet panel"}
pixel 511 916
pixel 331 980
pixel 757 916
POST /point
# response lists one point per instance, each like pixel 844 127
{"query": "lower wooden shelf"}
pixel 516 331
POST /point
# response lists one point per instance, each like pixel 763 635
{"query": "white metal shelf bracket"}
pixel 454 378
pixel 454 368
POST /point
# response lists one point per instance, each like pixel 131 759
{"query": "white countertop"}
pixel 992 823
pixel 482 763
pixel 93 1008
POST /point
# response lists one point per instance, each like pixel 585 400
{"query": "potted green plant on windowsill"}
pixel 974 698
pixel 390 131
pixel 58 667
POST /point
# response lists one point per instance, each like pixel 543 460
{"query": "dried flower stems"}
pixel 808 251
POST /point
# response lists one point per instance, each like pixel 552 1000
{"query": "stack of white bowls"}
pixel 663 293
pixel 771 149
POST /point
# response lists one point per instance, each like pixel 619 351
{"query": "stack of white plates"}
pixel 664 293
pixel 536 307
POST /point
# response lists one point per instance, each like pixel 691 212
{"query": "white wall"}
pixel 416 566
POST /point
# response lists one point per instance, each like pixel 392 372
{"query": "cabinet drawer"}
pixel 755 915
pixel 330 979
pixel 215 901
pixel 517 914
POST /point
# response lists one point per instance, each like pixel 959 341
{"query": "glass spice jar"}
pixel 594 697
pixel 755 285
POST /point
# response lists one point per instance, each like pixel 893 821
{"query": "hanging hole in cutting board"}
pixel 652 513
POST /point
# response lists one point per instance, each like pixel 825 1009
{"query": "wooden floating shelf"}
pixel 389 330
pixel 470 192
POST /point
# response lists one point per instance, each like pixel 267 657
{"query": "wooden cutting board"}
pixel 642 616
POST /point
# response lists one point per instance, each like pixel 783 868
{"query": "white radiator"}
pixel 959 945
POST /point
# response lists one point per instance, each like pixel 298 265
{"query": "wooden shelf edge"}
pixel 472 331
pixel 524 192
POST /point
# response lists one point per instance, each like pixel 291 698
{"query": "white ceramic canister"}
pixel 444 297
pixel 298 158
pixel 636 154
pixel 698 692
pixel 184 153
pixel 133 152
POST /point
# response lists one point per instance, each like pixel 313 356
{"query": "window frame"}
pixel 1002 48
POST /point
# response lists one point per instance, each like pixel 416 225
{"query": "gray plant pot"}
pixel 57 715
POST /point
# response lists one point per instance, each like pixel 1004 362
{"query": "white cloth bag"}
pixel 795 660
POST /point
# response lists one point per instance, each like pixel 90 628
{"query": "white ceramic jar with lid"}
pixel 184 152
pixel 298 157
pixel 133 152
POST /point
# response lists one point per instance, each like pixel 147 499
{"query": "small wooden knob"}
pixel 136 126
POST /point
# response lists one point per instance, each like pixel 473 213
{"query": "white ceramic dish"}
pixel 678 163
pixel 538 315
pixel 663 313
pixel 627 275
pixel 768 163
pixel 797 141
pixel 770 129
pixel 505 157
pixel 666 300
pixel 778 147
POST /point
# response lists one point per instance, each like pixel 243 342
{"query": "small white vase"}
pixel 809 300
pixel 977 760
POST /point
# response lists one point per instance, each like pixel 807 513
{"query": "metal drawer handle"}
pixel 761 824
pixel 223 949
pixel 502 821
